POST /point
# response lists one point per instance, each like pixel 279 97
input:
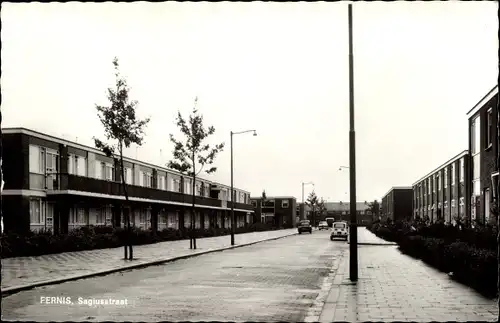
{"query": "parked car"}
pixel 323 225
pixel 304 226
pixel 339 230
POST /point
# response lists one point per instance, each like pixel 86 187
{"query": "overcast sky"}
pixel 279 68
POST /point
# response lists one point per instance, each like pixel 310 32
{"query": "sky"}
pixel 278 68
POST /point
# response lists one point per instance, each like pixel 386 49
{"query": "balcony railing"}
pixel 241 206
pixel 92 185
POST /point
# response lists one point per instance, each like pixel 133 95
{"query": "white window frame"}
pixel 285 204
pixel 41 210
pixel 453 169
pixel 141 178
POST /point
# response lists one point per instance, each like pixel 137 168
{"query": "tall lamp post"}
pixel 353 245
pixel 303 203
pixel 232 187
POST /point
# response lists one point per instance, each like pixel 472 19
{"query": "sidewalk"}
pixel 396 287
pixel 366 237
pixel 25 272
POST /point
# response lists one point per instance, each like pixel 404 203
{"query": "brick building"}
pixel 483 147
pixel 396 204
pixel 441 193
pixel 280 211
pixel 52 183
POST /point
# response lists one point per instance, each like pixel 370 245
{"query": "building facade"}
pixel 441 194
pixel 280 211
pixel 396 205
pixel 483 147
pixel 52 183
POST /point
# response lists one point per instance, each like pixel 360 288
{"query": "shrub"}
pixel 99 237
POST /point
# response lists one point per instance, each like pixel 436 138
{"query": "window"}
pixel 476 167
pixel 37 160
pixel 453 174
pixel 71 162
pixel 487 205
pixel 78 216
pixel 177 185
pixel 109 171
pixel 198 189
pixel 438 177
pixel 187 186
pixel 128 175
pixel 462 170
pixel 475 135
pixel 36 212
pixel 80 166
pixel 100 216
pixel 445 177
pixel 284 204
pixel 254 204
pixel 98 170
pixel 489 128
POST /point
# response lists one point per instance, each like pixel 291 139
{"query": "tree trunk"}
pixel 126 212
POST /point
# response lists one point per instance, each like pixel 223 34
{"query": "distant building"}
pixel 340 211
pixel 397 204
pixel 280 211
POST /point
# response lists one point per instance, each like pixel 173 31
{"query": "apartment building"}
pixel 280 211
pixel 396 205
pixel 441 194
pixel 53 183
pixel 483 147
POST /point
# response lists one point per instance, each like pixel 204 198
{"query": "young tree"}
pixel 321 207
pixel 312 201
pixel 374 208
pixel 192 152
pixel 123 128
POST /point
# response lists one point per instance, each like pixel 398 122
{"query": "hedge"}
pixel 89 238
pixel 469 255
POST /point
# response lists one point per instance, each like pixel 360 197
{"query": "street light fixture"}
pixel 232 187
pixel 340 168
pixel 303 204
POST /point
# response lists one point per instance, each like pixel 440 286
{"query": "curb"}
pixel 15 289
pixel 375 244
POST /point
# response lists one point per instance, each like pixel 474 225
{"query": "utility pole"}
pixel 353 228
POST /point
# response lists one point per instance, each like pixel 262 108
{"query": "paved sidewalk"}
pixel 396 287
pixel 26 271
pixel 366 237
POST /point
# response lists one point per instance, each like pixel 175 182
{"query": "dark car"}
pixel 304 226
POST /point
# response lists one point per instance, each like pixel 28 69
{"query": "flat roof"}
pixel 483 101
pixel 397 188
pixel 48 137
pixel 463 153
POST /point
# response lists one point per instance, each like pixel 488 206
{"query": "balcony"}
pixel 240 206
pixel 92 185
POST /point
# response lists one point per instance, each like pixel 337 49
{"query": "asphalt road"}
pixel 280 280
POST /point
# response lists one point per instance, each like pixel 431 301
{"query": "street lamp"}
pixel 232 188
pixel 353 234
pixel 340 168
pixel 303 204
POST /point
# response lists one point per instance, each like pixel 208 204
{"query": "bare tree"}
pixel 122 127
pixel 191 152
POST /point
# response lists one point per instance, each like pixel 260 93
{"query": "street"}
pixel 279 280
